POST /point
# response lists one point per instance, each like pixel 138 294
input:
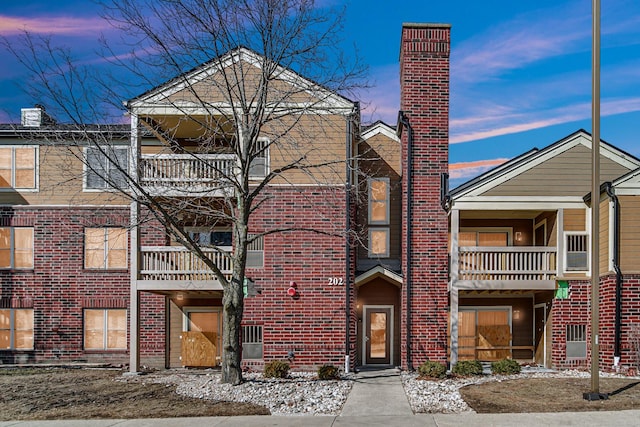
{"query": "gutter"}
pixel 349 155
pixel 403 120
pixel 616 268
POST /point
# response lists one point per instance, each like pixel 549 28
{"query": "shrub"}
pixel 431 369
pixel 328 372
pixel 505 367
pixel 276 369
pixel 466 368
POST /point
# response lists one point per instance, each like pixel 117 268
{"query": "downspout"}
pixel 403 120
pixel 616 268
pixel 349 158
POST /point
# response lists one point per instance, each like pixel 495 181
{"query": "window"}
pixel 252 342
pixel 209 238
pixel 378 201
pixel 576 342
pixel 259 167
pixel 18 167
pixel 105 248
pixel 576 252
pixel 378 242
pixel 101 167
pixel 255 253
pixel 493 238
pixel 16 329
pixel 16 247
pixel 105 329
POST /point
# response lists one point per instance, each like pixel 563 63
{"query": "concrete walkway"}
pixel 377 392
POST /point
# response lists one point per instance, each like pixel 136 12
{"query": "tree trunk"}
pixel 232 306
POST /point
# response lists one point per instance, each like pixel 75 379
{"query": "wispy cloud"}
pixel 382 101
pixel 67 25
pixel 466 170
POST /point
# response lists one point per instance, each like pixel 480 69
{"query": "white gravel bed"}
pixel 443 396
pixel 300 394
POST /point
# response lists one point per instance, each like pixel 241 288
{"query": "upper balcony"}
pixel 505 267
pixel 175 268
pixel 186 174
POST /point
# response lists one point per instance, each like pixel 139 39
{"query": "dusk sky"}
pixel 520 71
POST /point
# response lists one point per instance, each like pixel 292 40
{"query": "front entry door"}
pixel 540 336
pixel 378 335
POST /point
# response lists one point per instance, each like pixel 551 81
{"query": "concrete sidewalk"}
pixel 377 393
pixel 588 419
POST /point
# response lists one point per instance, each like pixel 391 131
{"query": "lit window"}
pixel 379 201
pixel 105 329
pixel 105 248
pixel 379 242
pixel 103 167
pixel 16 329
pixel 16 247
pixel 18 167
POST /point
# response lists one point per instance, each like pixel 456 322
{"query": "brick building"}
pixel 375 263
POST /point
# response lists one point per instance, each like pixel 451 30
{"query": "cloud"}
pixel 465 170
pixel 382 101
pixel 66 25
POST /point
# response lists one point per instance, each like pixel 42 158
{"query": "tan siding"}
pixel 567 174
pixel 175 332
pixel 575 220
pixel 629 234
pixel 552 227
pixel 60 182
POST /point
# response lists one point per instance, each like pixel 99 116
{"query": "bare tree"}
pixel 236 68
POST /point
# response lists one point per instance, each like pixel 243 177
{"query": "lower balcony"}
pixel 175 268
pixel 508 267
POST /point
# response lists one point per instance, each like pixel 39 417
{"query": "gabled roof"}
pixel 198 74
pixel 380 128
pixel 518 166
pixel 628 184
pixel 378 271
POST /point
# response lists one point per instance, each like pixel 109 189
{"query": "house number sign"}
pixel 336 281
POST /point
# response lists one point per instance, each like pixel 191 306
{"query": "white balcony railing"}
pixel 176 174
pixel 511 263
pixel 177 263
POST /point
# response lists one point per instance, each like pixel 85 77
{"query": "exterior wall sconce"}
pixel 293 289
pixel 516 314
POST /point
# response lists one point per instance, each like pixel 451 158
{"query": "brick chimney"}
pixel 424 105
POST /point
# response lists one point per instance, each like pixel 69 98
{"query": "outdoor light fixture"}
pixel 293 289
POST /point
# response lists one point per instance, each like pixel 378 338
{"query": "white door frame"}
pixel 365 308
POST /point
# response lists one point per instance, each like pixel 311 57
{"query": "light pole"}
pixel 595 394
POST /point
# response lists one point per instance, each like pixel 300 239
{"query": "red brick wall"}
pixel 576 310
pixel 313 324
pixel 59 288
pixel 424 85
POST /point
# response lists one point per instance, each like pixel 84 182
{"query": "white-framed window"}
pixel 16 329
pixel 19 167
pixel 378 201
pixel 378 242
pixel 105 248
pixel 576 342
pixel 252 345
pixel 16 247
pixel 101 168
pixel 259 167
pixel 576 251
pixel 105 329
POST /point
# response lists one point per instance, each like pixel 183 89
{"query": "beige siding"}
pixel 567 174
pixel 575 220
pixel 629 234
pixel 60 174
pixel 175 333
